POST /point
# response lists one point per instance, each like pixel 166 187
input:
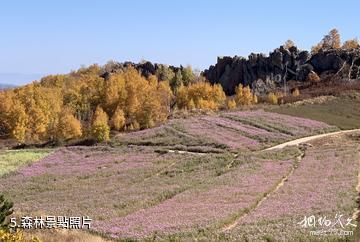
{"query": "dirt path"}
pixel 187 152
pixel 286 177
pixel 309 138
pixel 258 204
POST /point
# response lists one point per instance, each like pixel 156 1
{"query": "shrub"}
pixel 295 92
pixel 272 98
pixel 255 99
pixel 231 104
pixel 313 77
pixel 17 236
pixel 5 211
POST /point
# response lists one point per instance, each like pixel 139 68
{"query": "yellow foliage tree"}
pixel 182 97
pixel 116 93
pixel 68 127
pixel 100 129
pixel 255 99
pixel 288 44
pixel 19 121
pixel 118 119
pixel 231 104
pixel 330 41
pixel 6 107
pixel 351 44
pixel 37 124
pixel 272 98
pixel 191 105
pixel 166 96
pixel 206 104
pixel 244 96
pixel 202 94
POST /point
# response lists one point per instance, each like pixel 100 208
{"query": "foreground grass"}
pixel 11 160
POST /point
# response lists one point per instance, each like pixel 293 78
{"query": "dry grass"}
pixel 64 235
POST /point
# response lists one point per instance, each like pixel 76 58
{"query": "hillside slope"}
pixel 138 189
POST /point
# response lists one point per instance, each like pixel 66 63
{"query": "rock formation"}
pixel 264 73
pixel 146 68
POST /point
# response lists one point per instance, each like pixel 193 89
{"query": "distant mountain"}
pixel 6 86
pixel 16 79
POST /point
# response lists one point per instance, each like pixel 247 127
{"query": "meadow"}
pixel 206 177
pixel 341 110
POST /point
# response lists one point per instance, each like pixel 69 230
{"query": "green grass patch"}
pixel 11 160
pixel 343 111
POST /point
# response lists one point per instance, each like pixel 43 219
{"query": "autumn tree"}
pixel 202 94
pixel 351 44
pixel 316 48
pixel 288 44
pixel 18 122
pixel 191 105
pixel 272 98
pixel 164 73
pixel 330 41
pixel 6 106
pixel 255 99
pixel 115 93
pixel 68 127
pixel 231 104
pixel 166 96
pixel 188 75
pixel 53 81
pixel 100 129
pixel 177 81
pixel 118 120
pixel 182 98
pixel 244 96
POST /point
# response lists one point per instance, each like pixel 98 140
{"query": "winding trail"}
pixel 267 195
pixel 232 225
pixel 309 138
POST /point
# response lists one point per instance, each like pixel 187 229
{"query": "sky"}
pixel 41 37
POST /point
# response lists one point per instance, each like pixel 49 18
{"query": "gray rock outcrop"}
pixel 264 73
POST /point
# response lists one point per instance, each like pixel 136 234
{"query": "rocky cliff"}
pixel 264 73
pixel 146 68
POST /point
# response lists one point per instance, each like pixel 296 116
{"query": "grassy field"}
pixel 12 160
pixel 226 131
pixel 342 111
pixel 190 179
